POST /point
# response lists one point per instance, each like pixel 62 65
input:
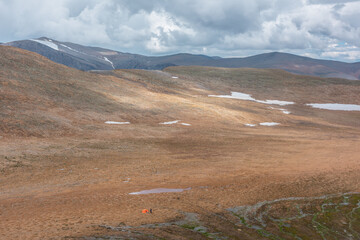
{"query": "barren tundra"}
pixel 75 144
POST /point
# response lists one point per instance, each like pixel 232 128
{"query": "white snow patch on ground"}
pixel 70 48
pixel 335 106
pixel 276 102
pixel 118 123
pixel 171 122
pixel 285 111
pixel 47 43
pixel 269 124
pixel 175 122
pixel 250 125
pixel 174 77
pixel 112 64
pixel 244 96
pixel 236 95
pixel 160 190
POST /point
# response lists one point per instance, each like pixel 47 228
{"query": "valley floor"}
pixel 72 187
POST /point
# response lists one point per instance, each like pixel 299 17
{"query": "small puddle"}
pixel 161 190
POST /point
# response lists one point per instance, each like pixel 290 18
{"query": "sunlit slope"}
pixel 269 84
pixel 41 98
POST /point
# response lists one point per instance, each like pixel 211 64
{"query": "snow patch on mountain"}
pixel 70 48
pixel 112 64
pixel 50 44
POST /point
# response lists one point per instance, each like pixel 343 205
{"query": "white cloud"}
pixel 165 30
pixel 226 28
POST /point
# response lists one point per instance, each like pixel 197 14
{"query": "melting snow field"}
pixel 47 43
pixel 262 124
pixel 285 111
pixel 335 106
pixel 236 95
pixel 277 102
pixel 244 96
pixel 269 124
pixel 160 190
pixel 69 48
pixel 118 123
pixel 175 122
pixel 171 122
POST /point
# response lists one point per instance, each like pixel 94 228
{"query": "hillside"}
pixel 93 58
pixel 235 153
pixel 39 96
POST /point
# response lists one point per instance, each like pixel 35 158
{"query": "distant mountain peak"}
pixel 95 58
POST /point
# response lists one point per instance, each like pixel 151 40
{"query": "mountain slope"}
pixel 40 97
pixel 93 58
pixel 69 54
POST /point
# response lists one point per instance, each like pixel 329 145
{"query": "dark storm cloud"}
pixel 228 27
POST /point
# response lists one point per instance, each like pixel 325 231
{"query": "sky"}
pixel 326 29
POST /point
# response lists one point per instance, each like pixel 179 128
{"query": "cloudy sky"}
pixel 327 29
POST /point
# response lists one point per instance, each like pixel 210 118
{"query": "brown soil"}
pixel 64 172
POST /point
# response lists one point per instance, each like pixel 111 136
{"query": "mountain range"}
pixel 94 58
